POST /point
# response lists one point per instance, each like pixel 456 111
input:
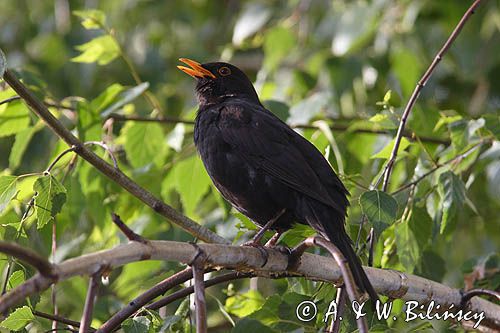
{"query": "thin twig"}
pixel 28 256
pixel 199 292
pixel 340 300
pixel 344 267
pixel 420 85
pixel 129 233
pixel 440 165
pixel 144 298
pixel 189 290
pixel 60 319
pixel 10 99
pixel 113 173
pixel 478 292
pixel 334 127
pixel 89 302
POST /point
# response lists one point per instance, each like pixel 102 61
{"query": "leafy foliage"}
pixel 342 69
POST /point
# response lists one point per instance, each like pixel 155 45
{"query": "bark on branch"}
pixel 393 284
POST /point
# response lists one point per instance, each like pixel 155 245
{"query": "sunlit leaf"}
pixel 380 208
pixel 143 142
pixel 126 97
pixel 16 279
pixel 102 49
pixel 14 118
pixel 8 189
pixel 385 153
pixel 242 305
pixel 51 196
pixel 452 192
pixel 18 319
pixel 91 18
pixel 106 97
pixel 192 182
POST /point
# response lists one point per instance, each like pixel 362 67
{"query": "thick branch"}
pixel 244 259
pixel 114 174
pixel 30 257
pixel 416 92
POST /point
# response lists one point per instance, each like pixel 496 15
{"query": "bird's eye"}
pixel 224 71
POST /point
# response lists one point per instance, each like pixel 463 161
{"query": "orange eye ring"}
pixel 224 71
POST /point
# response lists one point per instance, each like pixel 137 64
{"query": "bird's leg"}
pixel 255 241
pixel 273 240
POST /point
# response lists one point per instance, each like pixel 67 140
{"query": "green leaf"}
pixel 126 97
pixel 18 319
pixel 243 305
pixel 408 250
pixel 139 324
pixel 14 118
pixel 91 18
pixel 16 279
pixel 8 189
pixel 451 189
pixel 21 142
pixel 102 49
pixel 278 42
pixel 385 153
pixel 380 208
pixel 51 195
pixel 458 134
pixel 192 182
pixel 3 63
pixel 248 325
pixel 143 142
pixel 421 225
pixel 106 97
pixel 297 234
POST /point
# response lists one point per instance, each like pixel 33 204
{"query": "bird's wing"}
pixel 267 143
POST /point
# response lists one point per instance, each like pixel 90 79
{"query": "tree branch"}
pixel 416 92
pixel 45 268
pixel 159 289
pixel 59 319
pixel 333 127
pixel 114 174
pixel 393 284
pixel 89 302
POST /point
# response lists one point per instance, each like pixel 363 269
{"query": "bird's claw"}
pixel 262 249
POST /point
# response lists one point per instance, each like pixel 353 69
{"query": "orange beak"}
pixel 196 69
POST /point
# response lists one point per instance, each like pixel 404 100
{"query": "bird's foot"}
pixel 262 249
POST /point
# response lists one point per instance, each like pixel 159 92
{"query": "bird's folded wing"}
pixel 266 143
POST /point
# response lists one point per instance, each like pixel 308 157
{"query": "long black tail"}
pixel 358 273
pixel 330 224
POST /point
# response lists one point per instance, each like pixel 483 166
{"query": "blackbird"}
pixel 265 169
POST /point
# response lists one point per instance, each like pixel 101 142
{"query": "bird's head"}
pixel 217 81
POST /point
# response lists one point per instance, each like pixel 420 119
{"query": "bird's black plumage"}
pixel 262 166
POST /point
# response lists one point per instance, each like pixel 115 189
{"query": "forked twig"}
pixel 416 92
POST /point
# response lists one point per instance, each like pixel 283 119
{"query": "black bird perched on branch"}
pixel 265 169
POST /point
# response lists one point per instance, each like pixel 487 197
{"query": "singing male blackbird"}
pixel 265 169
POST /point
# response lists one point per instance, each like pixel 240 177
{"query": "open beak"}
pixel 196 70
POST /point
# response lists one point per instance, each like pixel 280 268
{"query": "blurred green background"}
pixel 346 68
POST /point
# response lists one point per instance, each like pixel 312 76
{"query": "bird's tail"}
pixel 343 243
pixel 330 224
